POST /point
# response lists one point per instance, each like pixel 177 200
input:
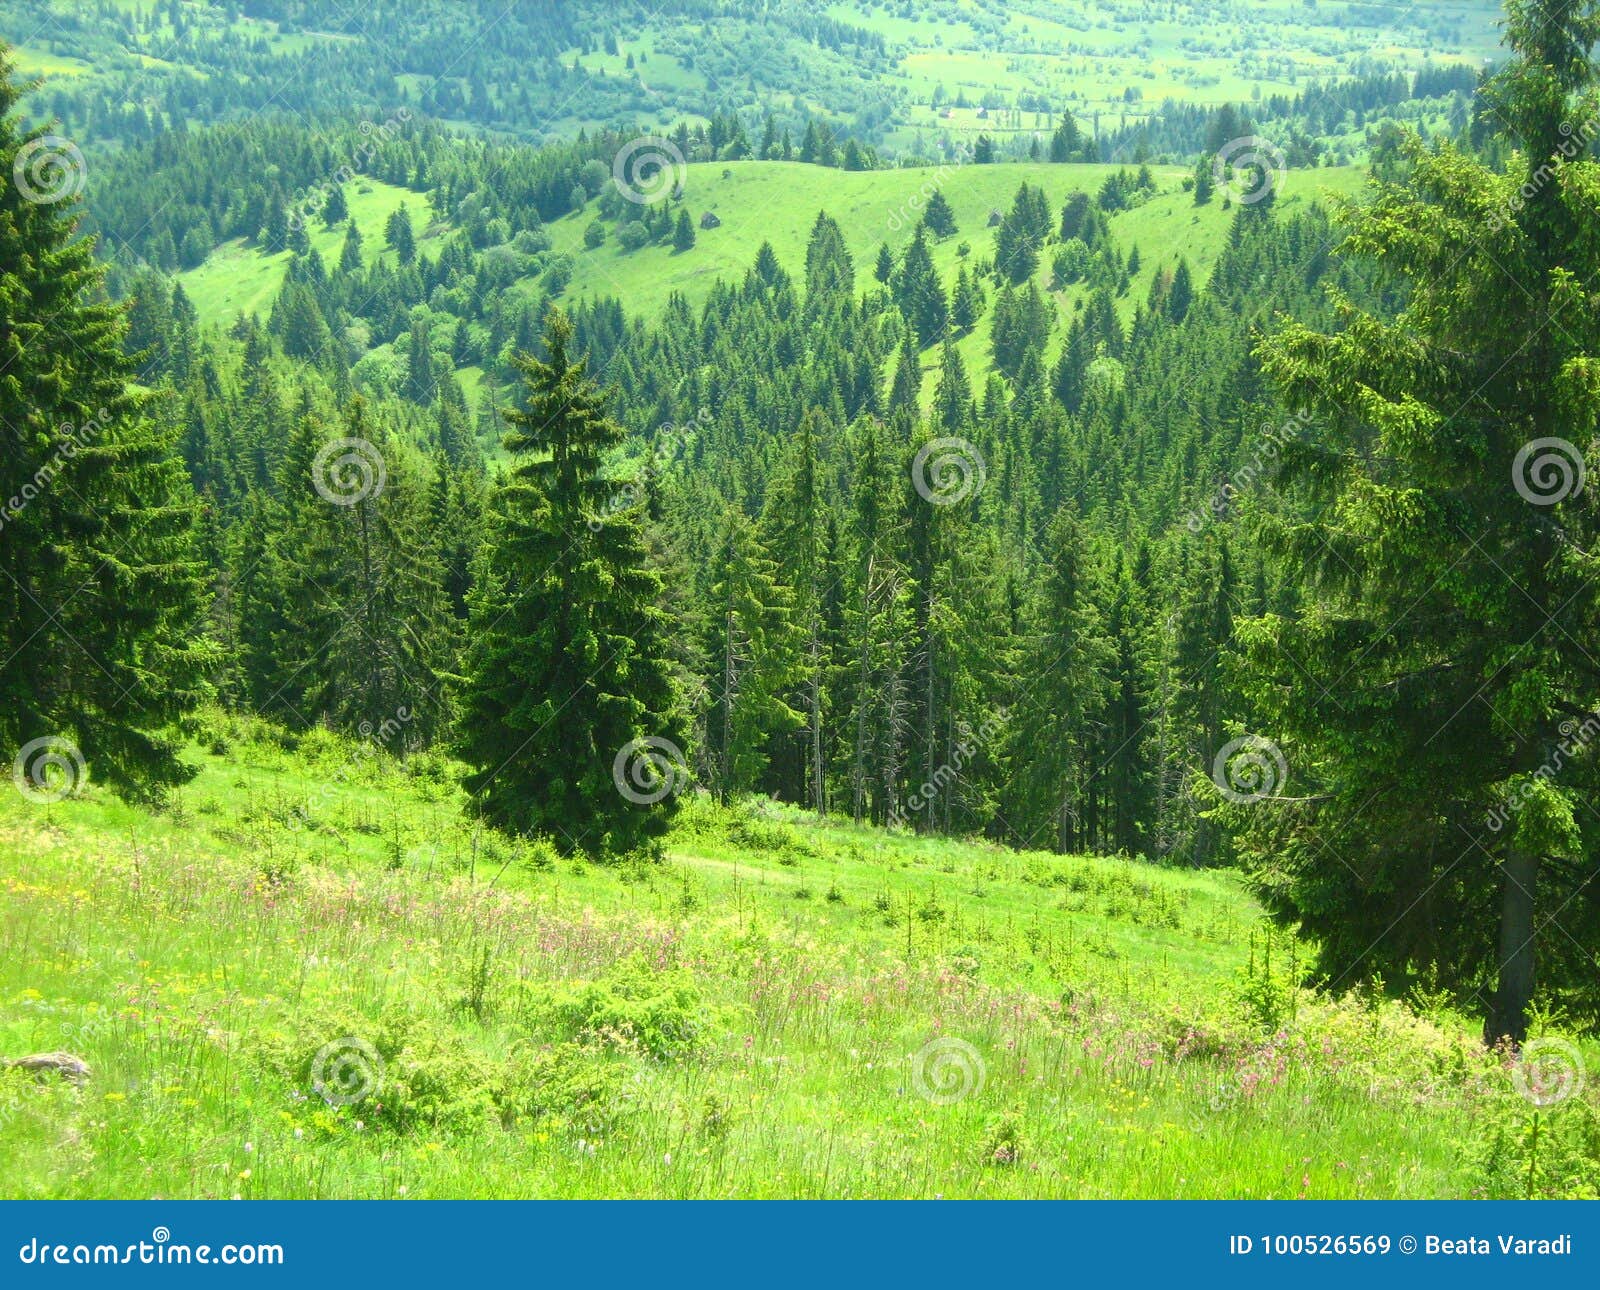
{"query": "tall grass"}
pixel 311 975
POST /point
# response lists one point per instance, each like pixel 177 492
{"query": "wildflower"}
pixel 249 1147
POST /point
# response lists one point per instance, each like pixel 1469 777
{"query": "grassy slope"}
pixel 199 959
pixel 778 202
pixel 237 278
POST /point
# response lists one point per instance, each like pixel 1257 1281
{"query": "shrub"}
pixel 399 1072
pixel 658 1013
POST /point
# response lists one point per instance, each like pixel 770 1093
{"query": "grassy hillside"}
pixel 951 70
pixel 778 202
pixel 309 975
pixel 238 278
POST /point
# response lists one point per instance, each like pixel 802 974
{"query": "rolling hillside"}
pixel 777 202
pixel 310 975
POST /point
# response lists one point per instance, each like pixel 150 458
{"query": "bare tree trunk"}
pixel 818 797
pixel 858 771
pixel 1508 1015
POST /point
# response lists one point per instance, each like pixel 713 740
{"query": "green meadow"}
pixel 310 974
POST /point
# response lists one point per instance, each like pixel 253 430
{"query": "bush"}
pixel 563 1086
pixel 657 1013
pixel 398 1072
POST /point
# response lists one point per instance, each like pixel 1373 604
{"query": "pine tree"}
pixel 1021 235
pixel 335 210
pixel 883 270
pixel 568 712
pixel 1425 696
pixel 103 594
pixel 952 399
pixel 1181 294
pixel 879 619
pixel 753 651
pixel 1062 695
pixel 964 307
pixel 350 251
pixel 793 526
pixel 906 389
pixel 683 233
pixel 918 293
pixel 399 235
pixel 938 216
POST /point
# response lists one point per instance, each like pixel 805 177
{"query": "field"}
pixel 778 202
pixel 237 278
pixel 309 975
pixel 946 71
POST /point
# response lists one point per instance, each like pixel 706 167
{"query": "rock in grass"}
pixel 42 1065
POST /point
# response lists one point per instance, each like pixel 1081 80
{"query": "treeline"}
pixel 1040 660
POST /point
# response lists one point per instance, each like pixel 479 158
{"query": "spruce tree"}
pixel 568 714
pixel 683 233
pixel 752 648
pixel 938 216
pixel 103 592
pixel 1426 697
